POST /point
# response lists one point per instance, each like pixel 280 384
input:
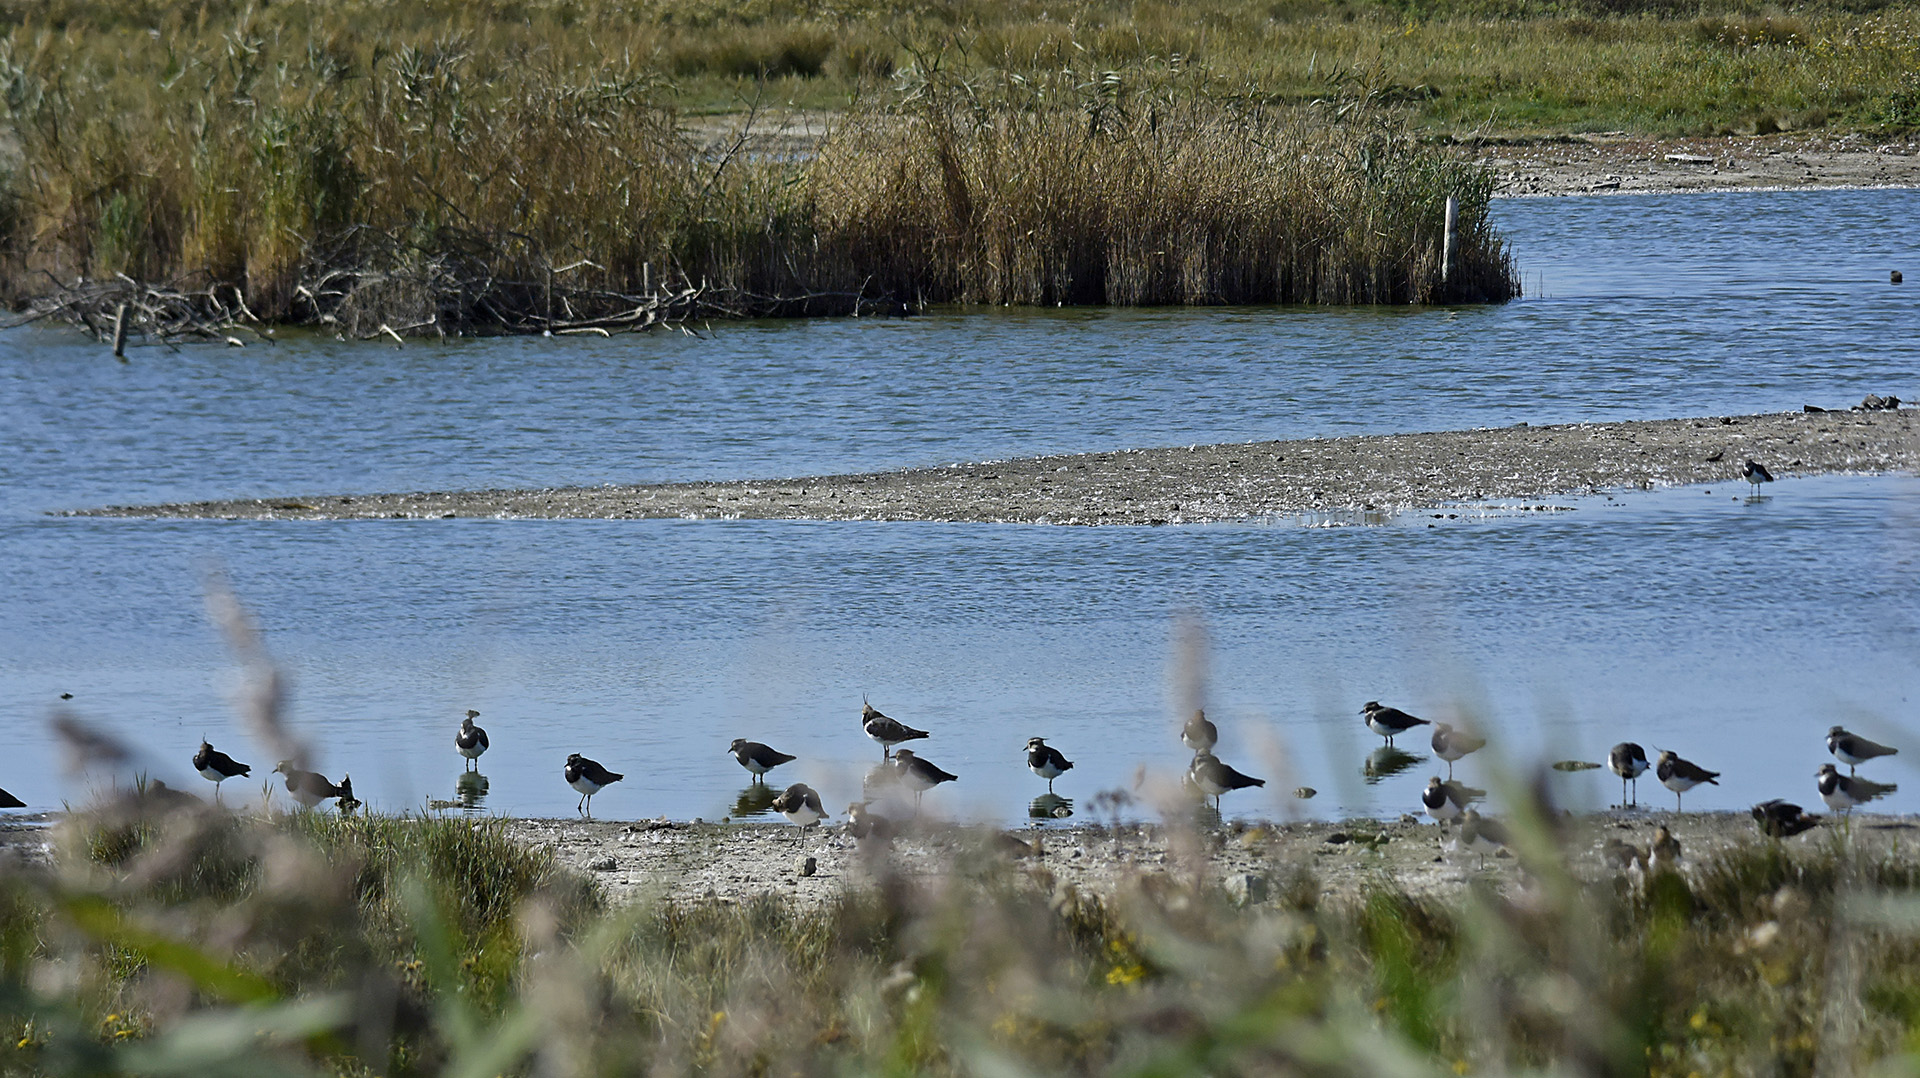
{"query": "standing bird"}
pixel 1451 744
pixel 1664 855
pixel 1680 776
pixel 1782 819
pixel 1199 734
pixel 871 831
pixel 1481 835
pixel 888 732
pixel 1444 800
pixel 1756 473
pixel 919 775
pixel 1045 761
pixel 589 778
pixel 800 804
pixel 1213 778
pixel 1629 761
pixel 756 757
pixel 1389 722
pixel 310 787
pixel 1854 750
pixel 217 767
pixel 1842 792
pixel 471 740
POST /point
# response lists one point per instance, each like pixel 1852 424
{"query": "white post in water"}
pixel 120 333
pixel 1446 242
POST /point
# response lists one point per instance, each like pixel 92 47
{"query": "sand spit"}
pixel 1618 163
pixel 1196 484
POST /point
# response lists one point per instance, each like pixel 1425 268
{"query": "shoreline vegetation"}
pixel 1360 476
pixel 158 936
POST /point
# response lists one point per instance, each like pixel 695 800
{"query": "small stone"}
pixel 1247 889
pixel 1338 838
pixel 806 866
pixel 602 864
pixel 1307 793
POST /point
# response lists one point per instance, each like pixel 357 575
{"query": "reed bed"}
pixel 169 941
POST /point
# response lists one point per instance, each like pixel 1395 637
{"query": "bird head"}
pixel 1035 743
pixel 1370 705
pixel 737 743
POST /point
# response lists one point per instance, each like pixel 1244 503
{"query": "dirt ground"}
pixel 1616 163
pixel 1375 474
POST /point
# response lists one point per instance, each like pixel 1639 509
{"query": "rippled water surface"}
pixel 1732 631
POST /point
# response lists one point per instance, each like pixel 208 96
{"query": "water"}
pixel 1733 632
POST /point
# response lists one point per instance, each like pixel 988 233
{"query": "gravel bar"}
pixel 1192 484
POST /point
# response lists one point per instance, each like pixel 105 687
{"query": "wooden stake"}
pixel 1447 242
pixel 120 333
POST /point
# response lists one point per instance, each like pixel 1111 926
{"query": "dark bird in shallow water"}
pixel 1450 744
pixel 1200 734
pixel 919 775
pixel 756 757
pixel 1681 775
pixel 1213 778
pixel 310 787
pixel 888 732
pixel 471 740
pixel 1045 761
pixel 1756 473
pixel 217 767
pixel 1629 761
pixel 1782 819
pixel 1389 722
pixel 589 778
pixel 1854 750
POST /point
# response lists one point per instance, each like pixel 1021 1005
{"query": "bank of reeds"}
pixel 446 187
pixel 194 941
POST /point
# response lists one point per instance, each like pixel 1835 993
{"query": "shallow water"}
pixel 1732 631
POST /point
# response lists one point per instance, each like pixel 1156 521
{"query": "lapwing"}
pixel 1389 722
pixel 918 775
pixel 888 732
pixel 8 801
pixel 471 740
pixel 310 787
pixel 1045 761
pixel 589 778
pixel 1842 792
pixel 1629 761
pixel 756 757
pixel 1782 819
pixel 870 830
pixel 1444 800
pixel 1854 750
pixel 1200 734
pixel 1213 778
pixel 217 767
pixel 1756 473
pixel 1481 835
pixel 1451 743
pixel 800 804
pixel 1664 854
pixel 1681 775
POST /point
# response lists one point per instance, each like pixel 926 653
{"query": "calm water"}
pixel 1734 632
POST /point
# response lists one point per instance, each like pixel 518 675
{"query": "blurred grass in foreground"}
pixel 192 941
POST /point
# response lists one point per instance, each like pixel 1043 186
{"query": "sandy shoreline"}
pixel 1616 163
pixel 1198 484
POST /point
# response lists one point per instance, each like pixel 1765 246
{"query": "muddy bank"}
pixel 1197 484
pixel 1616 163
pixel 1341 860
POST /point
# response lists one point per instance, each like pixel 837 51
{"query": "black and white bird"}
pixel 800 804
pixel 1842 792
pixel 1782 819
pixel 1854 750
pixel 8 801
pixel 756 757
pixel 1212 777
pixel 888 732
pixel 1756 473
pixel 871 831
pixel 589 778
pixel 1389 722
pixel 1444 800
pixel 1451 743
pixel 217 767
pixel 1045 761
pixel 1200 734
pixel 1629 761
pixel 471 740
pixel 310 787
pixel 1481 835
pixel 1681 775
pixel 918 775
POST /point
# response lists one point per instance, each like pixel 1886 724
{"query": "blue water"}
pixel 1732 631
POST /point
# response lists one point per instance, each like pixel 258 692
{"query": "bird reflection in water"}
pixel 1050 807
pixel 470 789
pixel 755 800
pixel 1387 761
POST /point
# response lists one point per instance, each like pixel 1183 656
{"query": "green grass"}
pixel 407 946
